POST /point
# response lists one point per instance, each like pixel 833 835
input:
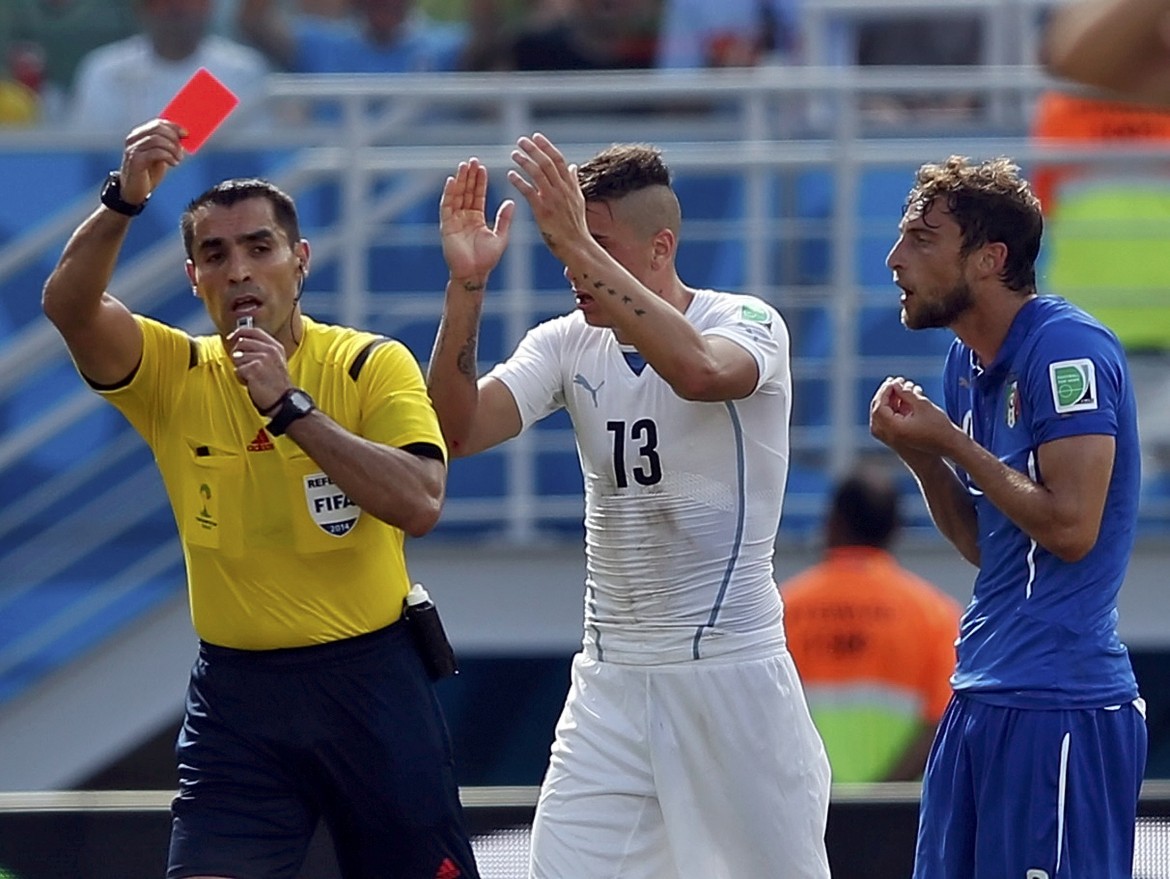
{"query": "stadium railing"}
pixel 790 191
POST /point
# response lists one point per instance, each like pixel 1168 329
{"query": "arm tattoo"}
pixel 472 286
pixel 626 299
pixel 465 360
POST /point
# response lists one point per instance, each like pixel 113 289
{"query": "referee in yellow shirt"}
pixel 296 456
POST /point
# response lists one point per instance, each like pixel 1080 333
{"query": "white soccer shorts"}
pixel 703 770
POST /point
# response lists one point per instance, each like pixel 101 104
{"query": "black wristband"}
pixel 112 197
pixel 294 404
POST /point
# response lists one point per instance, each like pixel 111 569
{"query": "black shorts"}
pixel 349 731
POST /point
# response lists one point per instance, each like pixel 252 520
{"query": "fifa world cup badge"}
pixel 1013 404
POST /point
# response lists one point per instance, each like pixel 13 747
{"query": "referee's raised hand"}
pixel 152 149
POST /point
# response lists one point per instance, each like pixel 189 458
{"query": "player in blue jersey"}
pixel 1032 472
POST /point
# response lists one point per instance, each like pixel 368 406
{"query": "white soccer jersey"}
pixel 682 498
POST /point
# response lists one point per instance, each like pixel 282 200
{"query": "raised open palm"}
pixel 470 246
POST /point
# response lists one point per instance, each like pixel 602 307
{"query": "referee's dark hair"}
pixel 864 510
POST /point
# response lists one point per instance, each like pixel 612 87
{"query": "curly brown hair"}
pixel 991 202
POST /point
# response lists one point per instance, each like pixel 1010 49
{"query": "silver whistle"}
pixel 244 320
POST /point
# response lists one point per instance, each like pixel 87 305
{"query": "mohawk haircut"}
pixel 621 169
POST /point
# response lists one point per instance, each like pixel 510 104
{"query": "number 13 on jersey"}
pixel 643 433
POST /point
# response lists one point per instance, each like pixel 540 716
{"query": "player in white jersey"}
pixel 685 749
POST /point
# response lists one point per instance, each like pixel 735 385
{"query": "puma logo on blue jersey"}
pixel 579 379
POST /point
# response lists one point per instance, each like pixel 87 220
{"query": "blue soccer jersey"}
pixel 1040 632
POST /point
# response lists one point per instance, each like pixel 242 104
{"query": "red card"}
pixel 200 106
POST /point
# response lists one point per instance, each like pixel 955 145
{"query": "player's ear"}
pixel 663 246
pixel 190 267
pixel 993 257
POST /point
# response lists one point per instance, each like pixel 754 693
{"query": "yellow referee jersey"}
pixel 277 555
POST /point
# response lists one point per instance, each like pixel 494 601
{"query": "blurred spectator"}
pixel 125 82
pixel 328 9
pixel 588 35
pixel 25 63
pixel 874 644
pixel 388 36
pixel 1106 233
pixel 50 37
pixel 493 24
pixel 728 33
pixel 889 37
pixel 935 41
pixel 18 104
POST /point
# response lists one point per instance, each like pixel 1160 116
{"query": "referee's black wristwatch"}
pixel 293 404
pixel 112 197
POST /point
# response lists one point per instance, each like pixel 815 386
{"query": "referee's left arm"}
pixel 402 487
